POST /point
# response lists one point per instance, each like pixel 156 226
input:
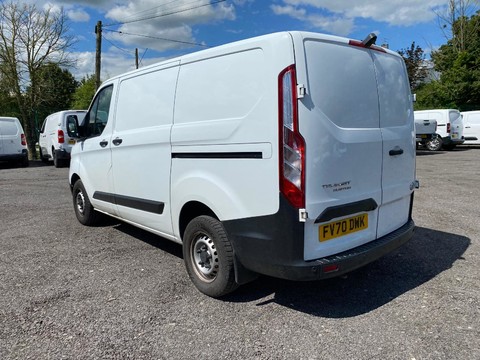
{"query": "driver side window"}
pixel 98 114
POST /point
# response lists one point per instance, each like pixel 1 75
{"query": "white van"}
pixel 56 136
pixel 248 156
pixel 471 126
pixel 13 144
pixel 449 128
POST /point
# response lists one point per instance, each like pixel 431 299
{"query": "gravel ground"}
pixel 117 292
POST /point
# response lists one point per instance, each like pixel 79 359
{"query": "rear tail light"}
pixel 448 128
pixel 23 139
pixel 291 143
pixel 61 136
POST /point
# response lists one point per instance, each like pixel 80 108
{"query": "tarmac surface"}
pixel 116 292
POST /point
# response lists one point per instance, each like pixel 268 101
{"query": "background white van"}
pixel 247 156
pixel 449 128
pixel 57 136
pixel 13 144
pixel 471 122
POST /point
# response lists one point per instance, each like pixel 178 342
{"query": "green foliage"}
pixel 84 93
pixel 415 62
pixel 458 62
pixel 55 90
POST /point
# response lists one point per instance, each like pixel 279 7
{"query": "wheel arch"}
pixel 191 210
pixel 73 179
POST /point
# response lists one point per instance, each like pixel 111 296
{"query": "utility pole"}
pixel 98 54
pixel 136 58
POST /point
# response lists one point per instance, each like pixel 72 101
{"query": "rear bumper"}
pixel 449 141
pixel 350 260
pixel 23 156
pixel 273 245
pixel 62 154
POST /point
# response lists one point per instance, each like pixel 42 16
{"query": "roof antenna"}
pixel 369 40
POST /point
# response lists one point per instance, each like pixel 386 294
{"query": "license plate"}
pixel 342 227
pixel 423 136
pixel 454 136
pixel 71 141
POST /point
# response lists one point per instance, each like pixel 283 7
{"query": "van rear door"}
pixel 359 150
pixel 398 136
pixel 340 122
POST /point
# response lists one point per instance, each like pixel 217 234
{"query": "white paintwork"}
pixel 48 138
pixel 443 118
pixel 471 122
pixel 225 100
pixel 11 136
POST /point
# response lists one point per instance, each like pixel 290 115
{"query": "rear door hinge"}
pixel 301 91
pixel 302 215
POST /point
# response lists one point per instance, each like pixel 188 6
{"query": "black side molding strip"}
pixel 346 209
pixel 218 155
pixel 155 207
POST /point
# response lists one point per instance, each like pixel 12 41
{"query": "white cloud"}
pixel 339 16
pixel 78 15
pixel 334 24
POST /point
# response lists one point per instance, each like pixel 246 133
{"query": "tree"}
pixel 415 62
pixel 29 39
pixel 458 61
pixel 84 93
pixel 56 87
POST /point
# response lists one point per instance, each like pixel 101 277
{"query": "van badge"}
pixel 335 187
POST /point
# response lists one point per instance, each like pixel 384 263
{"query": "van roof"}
pixel 224 48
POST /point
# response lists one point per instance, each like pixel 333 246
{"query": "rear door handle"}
pixel 103 143
pixel 396 151
pixel 117 141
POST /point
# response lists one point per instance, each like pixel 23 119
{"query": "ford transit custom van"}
pixel 290 155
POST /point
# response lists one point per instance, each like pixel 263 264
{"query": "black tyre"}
pixel 434 144
pixel 42 157
pixel 208 256
pixel 56 161
pixel 83 208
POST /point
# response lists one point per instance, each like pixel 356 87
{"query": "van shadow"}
pixel 425 256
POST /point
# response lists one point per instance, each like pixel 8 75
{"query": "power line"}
pixel 156 38
pixel 165 14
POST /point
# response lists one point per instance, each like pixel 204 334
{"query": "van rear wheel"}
pixel 434 144
pixel 208 256
pixel 84 211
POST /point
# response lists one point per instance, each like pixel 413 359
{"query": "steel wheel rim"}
pixel 80 202
pixel 433 144
pixel 204 256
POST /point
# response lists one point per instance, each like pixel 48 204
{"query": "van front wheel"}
pixel 84 211
pixel 208 256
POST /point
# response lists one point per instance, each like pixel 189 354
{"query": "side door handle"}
pixel 117 141
pixel 396 151
pixel 103 143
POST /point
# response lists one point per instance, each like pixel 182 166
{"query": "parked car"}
pixel 247 155
pixel 471 123
pixel 57 136
pixel 13 144
pixel 449 128
pixel 425 131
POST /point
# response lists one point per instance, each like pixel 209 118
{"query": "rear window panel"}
pixel 393 90
pixel 9 128
pixel 342 84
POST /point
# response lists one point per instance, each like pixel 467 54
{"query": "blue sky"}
pixel 195 24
